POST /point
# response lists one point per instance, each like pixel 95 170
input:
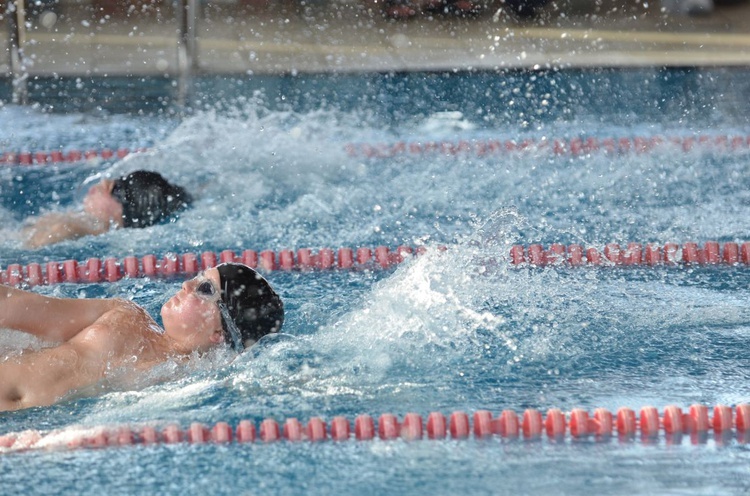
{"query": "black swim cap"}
pixel 249 306
pixel 147 198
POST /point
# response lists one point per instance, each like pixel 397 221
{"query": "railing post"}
pixel 16 14
pixel 186 49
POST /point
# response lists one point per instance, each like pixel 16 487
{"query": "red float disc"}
pixel 388 426
pixel 670 253
pixel 245 432
pixel 364 255
pixel 652 255
pixel 54 273
pixel 554 423
pixel 743 417
pixel 293 430
pixel 316 429
pixel 575 255
pixel 148 262
pixel 93 270
pixel 532 423
pixel 269 431
pixel 507 424
pixel 170 265
pixel 613 253
pixel 221 433
pixel 346 258
pixel 172 434
pixel 745 253
pixel 250 258
pixel 436 426
pixel 198 433
pixel 70 271
pixel 149 435
pixel 382 256
pixel 579 422
pixel 325 258
pixel 690 254
pixel 364 428
pixel 673 420
pixel 482 423
pixel 593 257
pixel 123 436
pixel 601 424
pixel 15 274
pixel 112 270
pixel 555 254
pixel 130 265
pixel 517 255
pixel 340 429
pixel 626 422
pixel 286 260
pixel 304 259
pixel 731 253
pixel 190 263
pixel 722 418
pixel 649 421
pixel 227 256
pixel 459 425
pixel 633 254
pixel 267 260
pixel 208 260
pixel 699 416
pixel 711 252
pixel 536 255
pixel 411 429
pixel 34 274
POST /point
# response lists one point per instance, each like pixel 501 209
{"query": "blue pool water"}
pixel 453 330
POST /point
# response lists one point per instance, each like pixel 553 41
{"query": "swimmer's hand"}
pixel 55 227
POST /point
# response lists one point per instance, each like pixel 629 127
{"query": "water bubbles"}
pixel 48 19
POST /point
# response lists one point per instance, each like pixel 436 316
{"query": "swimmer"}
pixel 97 339
pixel 140 199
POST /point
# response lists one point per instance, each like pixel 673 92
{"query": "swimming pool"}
pixel 454 330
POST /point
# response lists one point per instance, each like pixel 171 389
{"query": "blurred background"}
pixel 104 37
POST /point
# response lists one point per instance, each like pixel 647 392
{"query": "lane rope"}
pixel 60 157
pixel 97 270
pixel 600 426
pixel 575 146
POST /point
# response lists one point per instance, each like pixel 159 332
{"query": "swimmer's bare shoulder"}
pixel 126 329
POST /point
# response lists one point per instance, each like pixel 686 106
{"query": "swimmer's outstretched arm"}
pixel 55 227
pixel 51 319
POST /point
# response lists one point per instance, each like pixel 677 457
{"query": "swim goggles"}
pixel 206 290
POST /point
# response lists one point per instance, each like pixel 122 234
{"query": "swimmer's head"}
pixel 147 198
pixel 250 308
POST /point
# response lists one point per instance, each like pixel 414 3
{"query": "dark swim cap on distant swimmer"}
pixel 147 198
pixel 250 308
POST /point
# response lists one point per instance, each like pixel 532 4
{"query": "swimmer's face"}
pixel 192 316
pixel 100 203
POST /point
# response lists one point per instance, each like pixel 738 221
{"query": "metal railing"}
pixel 18 25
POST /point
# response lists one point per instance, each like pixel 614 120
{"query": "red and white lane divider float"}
pixel 650 254
pixel 112 269
pixel 557 146
pixel 479 147
pixel 62 157
pixel 724 421
pixel 96 270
